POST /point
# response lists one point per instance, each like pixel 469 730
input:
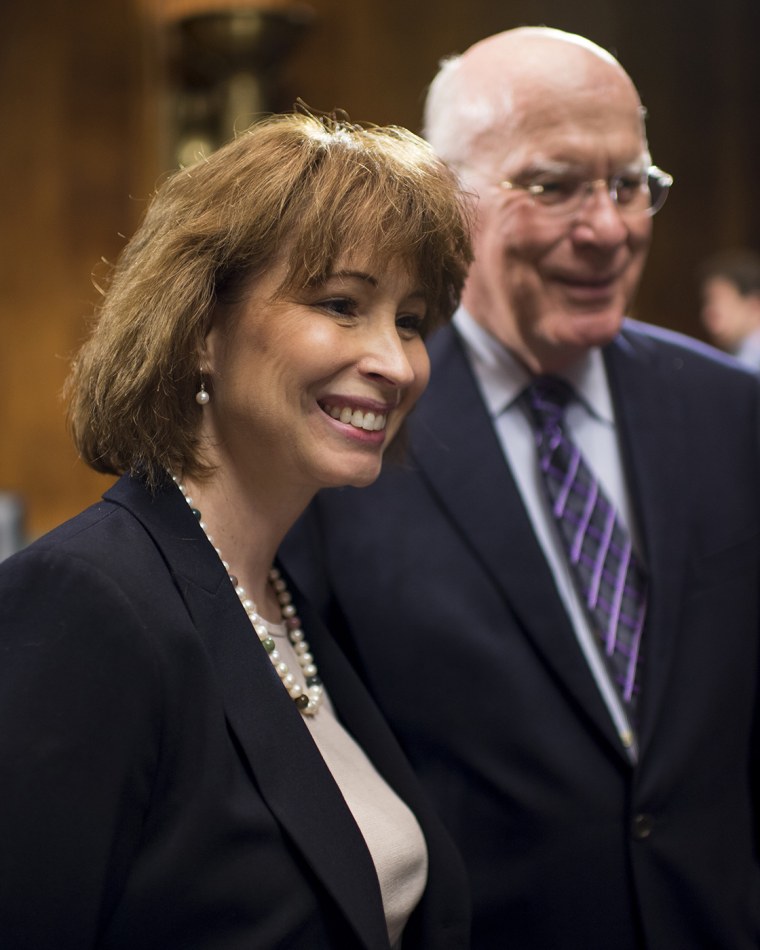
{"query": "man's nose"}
pixel 600 217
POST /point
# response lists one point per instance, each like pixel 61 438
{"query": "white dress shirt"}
pixel 748 351
pixel 590 422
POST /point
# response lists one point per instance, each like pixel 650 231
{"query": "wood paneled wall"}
pixel 83 120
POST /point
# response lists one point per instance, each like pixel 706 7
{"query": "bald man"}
pixel 556 598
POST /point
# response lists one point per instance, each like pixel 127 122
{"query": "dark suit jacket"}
pixel 158 788
pixel 462 638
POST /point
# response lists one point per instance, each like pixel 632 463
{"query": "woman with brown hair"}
pixel 179 767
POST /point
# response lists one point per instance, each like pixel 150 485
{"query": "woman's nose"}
pixel 387 356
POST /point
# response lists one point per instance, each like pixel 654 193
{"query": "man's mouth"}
pixel 592 283
pixel 358 418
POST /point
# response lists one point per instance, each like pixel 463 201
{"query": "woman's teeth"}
pixel 369 421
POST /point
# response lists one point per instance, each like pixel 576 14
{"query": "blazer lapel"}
pixel 457 451
pixel 652 442
pixel 281 755
pixel 441 913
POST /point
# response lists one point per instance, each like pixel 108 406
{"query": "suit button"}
pixel 642 826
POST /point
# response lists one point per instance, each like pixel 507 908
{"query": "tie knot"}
pixel 547 397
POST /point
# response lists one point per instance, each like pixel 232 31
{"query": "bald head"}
pixel 511 73
pixel 536 112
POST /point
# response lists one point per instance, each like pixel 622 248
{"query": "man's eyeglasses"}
pixel 633 194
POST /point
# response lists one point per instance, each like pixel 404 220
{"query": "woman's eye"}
pixel 411 323
pixel 343 306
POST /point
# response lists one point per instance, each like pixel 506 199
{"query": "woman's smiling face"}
pixel 310 386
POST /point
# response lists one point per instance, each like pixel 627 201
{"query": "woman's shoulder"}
pixel 97 575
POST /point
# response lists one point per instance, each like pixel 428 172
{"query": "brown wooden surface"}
pixel 83 120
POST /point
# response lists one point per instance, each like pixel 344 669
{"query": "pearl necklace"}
pixel 309 700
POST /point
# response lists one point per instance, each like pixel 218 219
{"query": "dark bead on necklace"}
pixel 307 704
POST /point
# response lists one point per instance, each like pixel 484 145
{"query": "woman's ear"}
pixel 208 352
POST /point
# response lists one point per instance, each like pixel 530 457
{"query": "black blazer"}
pixel 460 633
pixel 158 788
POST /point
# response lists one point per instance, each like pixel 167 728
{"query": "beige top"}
pixel 391 832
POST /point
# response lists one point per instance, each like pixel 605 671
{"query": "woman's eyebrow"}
pixel 360 275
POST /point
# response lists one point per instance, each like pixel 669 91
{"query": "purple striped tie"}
pixel 609 577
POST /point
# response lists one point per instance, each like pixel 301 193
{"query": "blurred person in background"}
pixel 730 308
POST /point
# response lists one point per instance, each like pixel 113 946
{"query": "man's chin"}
pixel 593 322
pixel 600 329
pixel 577 333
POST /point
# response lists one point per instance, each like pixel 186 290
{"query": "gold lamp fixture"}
pixel 223 69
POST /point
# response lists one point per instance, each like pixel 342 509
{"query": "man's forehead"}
pixel 565 131
pixel 556 154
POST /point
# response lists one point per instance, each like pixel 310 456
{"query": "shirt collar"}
pixel 502 377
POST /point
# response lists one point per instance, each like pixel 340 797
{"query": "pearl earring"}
pixel 202 397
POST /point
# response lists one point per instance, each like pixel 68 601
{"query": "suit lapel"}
pixel 653 444
pixel 284 761
pixel 458 453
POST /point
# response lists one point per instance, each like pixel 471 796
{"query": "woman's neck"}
pixel 247 528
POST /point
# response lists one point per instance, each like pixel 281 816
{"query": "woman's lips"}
pixel 366 419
